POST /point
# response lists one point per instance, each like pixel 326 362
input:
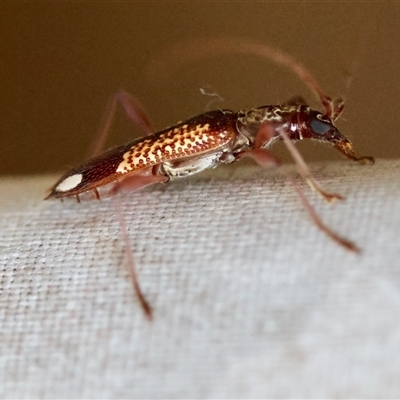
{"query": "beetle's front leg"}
pixel 305 172
pixel 264 158
pixel 266 132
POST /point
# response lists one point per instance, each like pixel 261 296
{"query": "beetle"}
pixel 208 140
pixel 202 142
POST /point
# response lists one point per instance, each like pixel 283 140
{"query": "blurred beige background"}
pixel 250 299
pixel 60 63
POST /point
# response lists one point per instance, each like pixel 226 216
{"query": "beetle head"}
pixel 322 128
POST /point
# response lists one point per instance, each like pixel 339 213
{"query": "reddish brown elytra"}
pixel 208 140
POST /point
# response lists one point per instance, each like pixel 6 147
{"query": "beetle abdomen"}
pixel 195 136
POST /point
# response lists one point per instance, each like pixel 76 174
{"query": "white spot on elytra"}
pixel 69 183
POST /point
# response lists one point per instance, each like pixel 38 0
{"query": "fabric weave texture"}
pixel 250 299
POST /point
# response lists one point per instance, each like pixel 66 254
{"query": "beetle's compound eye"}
pixel 320 127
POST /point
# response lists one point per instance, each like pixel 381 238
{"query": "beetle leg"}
pixel 266 132
pixel 146 177
pixel 134 182
pixel 133 109
pixel 131 262
pixel 305 172
pixel 264 158
pixel 349 245
pixel 138 181
pixel 259 154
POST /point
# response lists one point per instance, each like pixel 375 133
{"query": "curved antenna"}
pixel 349 74
pixel 176 56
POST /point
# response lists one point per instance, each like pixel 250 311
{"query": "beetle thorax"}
pixel 280 117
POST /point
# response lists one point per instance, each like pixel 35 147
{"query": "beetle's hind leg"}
pixel 134 111
pixel 137 115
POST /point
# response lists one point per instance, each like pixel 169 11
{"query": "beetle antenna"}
pixel 175 57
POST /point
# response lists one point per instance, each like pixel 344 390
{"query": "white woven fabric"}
pixel 250 299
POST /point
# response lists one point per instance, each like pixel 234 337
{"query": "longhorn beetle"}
pixel 208 140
